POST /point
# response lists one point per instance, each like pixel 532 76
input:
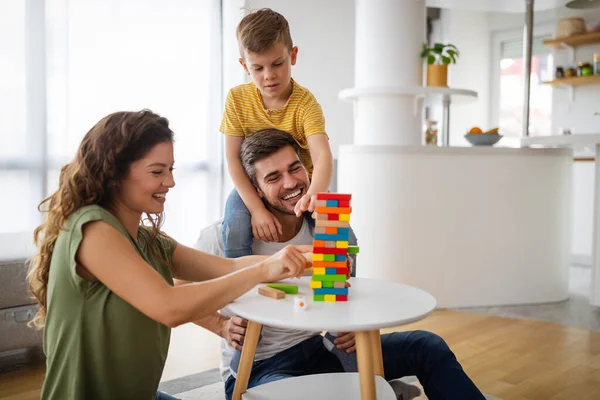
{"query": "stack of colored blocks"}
pixel 330 247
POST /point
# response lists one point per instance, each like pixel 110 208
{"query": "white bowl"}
pixel 483 139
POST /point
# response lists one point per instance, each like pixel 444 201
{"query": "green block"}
pixel 284 287
pixel 327 285
pixel 329 257
pixel 330 278
pixel 319 297
pixel 353 249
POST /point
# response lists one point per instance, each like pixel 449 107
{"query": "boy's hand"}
pixel 308 202
pixel 265 226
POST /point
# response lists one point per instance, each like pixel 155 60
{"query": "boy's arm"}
pixel 322 159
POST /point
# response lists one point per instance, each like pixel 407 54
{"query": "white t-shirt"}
pixel 274 340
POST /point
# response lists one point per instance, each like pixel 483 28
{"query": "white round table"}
pixel 372 305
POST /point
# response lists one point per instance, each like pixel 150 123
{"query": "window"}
pixel 511 88
pixel 103 56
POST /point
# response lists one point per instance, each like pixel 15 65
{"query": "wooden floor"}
pixel 507 358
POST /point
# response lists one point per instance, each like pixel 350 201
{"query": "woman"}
pixel 104 272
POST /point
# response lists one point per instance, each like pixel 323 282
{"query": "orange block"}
pixel 334 210
pixel 331 230
pixel 329 264
pixel 318 243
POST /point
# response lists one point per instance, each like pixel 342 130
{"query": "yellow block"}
pixel 341 244
pixel 330 298
pixel 345 217
pixel 318 271
pixel 316 284
pixel 317 257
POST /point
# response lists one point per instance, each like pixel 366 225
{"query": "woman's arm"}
pixel 196 266
pixel 124 272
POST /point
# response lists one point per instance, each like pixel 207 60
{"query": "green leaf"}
pixel 438 48
pixel 446 60
pixel 431 60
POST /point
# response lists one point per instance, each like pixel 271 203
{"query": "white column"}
pixel 389 37
pixel 595 289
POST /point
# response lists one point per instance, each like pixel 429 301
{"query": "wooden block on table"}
pixel 343 270
pixel 340 291
pixel 318 297
pixel 343 203
pixel 328 257
pixel 353 249
pixel 328 243
pixel 327 284
pixel 287 288
pixel 324 222
pixel 321 203
pixel 329 264
pixel 316 284
pixel 329 298
pixel 318 243
pixel 329 203
pixel 317 257
pixel 334 210
pixel 344 217
pixel 318 271
pixel 333 196
pixel 321 217
pixel 331 230
pixel 272 293
pixel 338 285
pixel 340 297
pixel 320 236
pixel 333 217
pixel 329 250
pixel 341 257
pixel 330 278
pixel 320 229
pixel 341 244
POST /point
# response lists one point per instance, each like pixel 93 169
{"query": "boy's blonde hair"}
pixel 261 29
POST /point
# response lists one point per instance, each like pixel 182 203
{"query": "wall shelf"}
pixel 575 81
pixel 574 41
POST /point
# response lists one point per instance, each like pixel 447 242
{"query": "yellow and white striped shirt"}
pixel 301 116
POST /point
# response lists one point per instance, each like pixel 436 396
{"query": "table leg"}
pixel 595 292
pixel 376 353
pixel 246 360
pixel 365 365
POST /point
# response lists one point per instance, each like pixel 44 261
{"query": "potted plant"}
pixel 438 58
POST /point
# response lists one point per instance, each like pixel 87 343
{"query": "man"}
pixel 273 165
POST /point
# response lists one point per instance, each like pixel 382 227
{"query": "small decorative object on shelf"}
pixel 559 73
pixel 584 69
pixel 438 58
pixel 431 133
pixel 569 27
pixel 597 63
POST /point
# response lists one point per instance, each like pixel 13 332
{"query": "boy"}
pixel 272 100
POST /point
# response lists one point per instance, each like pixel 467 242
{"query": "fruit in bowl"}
pixel 477 137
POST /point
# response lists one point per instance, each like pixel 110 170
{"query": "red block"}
pixel 342 271
pixel 343 203
pixel 329 250
pixel 333 196
pixel 340 297
pixel 333 217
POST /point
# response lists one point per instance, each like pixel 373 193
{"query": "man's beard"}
pixel 279 209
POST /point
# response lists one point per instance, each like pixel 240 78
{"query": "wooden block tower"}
pixel 330 247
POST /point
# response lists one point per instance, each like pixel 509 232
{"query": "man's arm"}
pixel 231 329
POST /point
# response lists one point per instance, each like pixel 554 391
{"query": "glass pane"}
pixel 18 199
pixel 12 78
pixel 511 96
pixel 112 55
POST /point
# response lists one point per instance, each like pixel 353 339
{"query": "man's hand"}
pixel 265 226
pixel 345 341
pixel 350 264
pixel 308 202
pixel 234 331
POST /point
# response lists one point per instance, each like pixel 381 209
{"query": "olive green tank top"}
pixel 97 345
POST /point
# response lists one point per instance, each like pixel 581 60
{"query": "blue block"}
pixel 324 236
pixel 332 203
pixel 330 271
pixel 343 231
pixel 340 257
pixel 341 291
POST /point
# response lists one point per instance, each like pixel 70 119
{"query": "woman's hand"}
pixel 291 261
pixel 265 226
